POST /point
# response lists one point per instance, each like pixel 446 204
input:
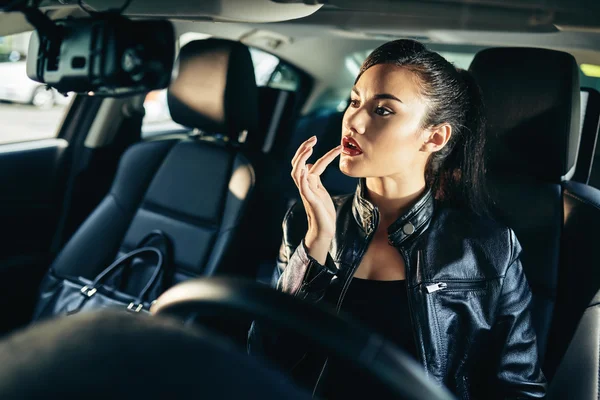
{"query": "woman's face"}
pixel 384 119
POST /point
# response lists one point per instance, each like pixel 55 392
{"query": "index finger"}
pixel 324 161
pixel 309 142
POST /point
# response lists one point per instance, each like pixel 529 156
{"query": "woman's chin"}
pixel 349 170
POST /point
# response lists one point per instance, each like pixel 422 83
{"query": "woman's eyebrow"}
pixel 387 96
pixel 380 96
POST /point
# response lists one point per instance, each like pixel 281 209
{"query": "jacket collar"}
pixel 410 224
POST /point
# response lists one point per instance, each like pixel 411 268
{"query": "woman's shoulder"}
pixel 483 231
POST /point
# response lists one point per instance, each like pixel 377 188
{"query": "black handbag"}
pixel 69 295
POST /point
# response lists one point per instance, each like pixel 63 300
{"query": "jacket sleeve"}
pixel 519 374
pixel 299 275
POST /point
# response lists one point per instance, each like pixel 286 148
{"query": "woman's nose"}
pixel 355 120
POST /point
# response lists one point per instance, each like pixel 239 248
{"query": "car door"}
pixel 37 147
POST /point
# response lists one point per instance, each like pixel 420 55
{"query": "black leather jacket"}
pixel 468 295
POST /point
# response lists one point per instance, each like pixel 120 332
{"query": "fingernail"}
pixel 313 138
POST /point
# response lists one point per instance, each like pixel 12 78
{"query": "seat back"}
pixel 579 275
pixel 578 375
pixel 532 99
pixel 196 191
pixel 278 109
pixel 533 108
pixel 588 162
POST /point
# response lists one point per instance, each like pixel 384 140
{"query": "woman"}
pixel 412 253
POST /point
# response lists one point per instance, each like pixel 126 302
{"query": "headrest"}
pixel 214 88
pixel 532 102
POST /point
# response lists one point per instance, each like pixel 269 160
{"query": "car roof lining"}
pixel 321 50
pixel 319 43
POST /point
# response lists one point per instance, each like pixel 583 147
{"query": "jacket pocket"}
pixel 455 286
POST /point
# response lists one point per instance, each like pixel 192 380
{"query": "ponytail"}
pixel 463 169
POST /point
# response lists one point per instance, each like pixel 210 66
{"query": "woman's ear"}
pixel 437 138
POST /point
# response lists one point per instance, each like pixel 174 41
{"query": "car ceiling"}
pixel 320 50
pixel 317 38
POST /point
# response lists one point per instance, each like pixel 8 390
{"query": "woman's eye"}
pixel 382 111
pixel 354 103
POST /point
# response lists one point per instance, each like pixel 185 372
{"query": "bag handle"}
pixel 152 234
pixel 136 305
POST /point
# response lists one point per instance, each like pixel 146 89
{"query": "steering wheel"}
pixel 382 361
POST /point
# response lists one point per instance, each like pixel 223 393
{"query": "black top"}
pixel 381 306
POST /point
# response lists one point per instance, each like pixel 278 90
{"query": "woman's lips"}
pixel 350 147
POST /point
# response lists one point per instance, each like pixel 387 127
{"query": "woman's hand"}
pixel 317 201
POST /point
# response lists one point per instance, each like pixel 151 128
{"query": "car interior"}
pixel 207 162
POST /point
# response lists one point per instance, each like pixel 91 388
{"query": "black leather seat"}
pixel 277 113
pixel 588 162
pixel 196 188
pixel 532 98
pixel 578 376
pixel 579 278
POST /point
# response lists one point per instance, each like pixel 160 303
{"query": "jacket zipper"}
pixel 455 286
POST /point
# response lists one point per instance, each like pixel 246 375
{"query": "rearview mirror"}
pixel 109 56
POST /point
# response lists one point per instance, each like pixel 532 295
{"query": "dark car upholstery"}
pixel 195 191
pixel 532 97
pixel 588 162
pixel 578 376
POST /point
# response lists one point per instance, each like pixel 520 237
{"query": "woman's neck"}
pixel 393 197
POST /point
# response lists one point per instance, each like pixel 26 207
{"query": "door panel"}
pixel 32 181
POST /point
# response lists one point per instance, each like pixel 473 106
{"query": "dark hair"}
pixel 456 174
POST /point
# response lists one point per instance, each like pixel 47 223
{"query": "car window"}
pixel 268 70
pixel 28 111
pixel 589 76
